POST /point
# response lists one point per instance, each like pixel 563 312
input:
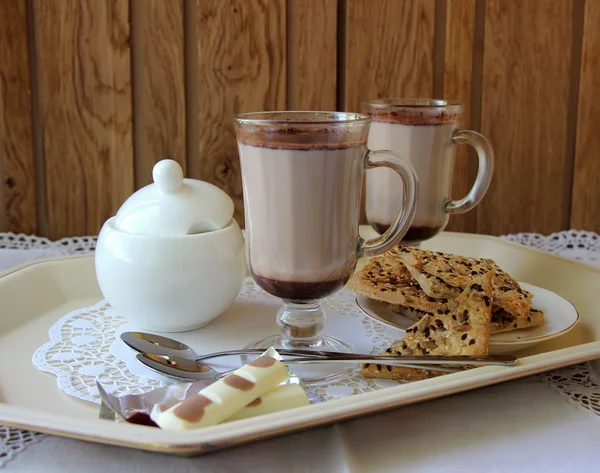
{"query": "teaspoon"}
pixel 158 345
pixel 149 343
pixel 187 369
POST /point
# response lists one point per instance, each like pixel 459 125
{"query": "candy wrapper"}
pixel 151 407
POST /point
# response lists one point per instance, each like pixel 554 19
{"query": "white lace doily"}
pixel 579 383
pixel 84 345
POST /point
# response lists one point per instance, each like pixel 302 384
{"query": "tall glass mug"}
pixel 426 132
pixel 302 175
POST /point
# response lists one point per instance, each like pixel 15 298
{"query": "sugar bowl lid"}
pixel 174 205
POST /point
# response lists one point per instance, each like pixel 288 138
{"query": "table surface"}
pixel 524 425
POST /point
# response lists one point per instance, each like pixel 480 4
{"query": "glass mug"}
pixel 302 178
pixel 426 132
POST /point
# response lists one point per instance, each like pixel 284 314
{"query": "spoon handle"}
pixel 281 351
pixel 443 369
pixel 307 356
pixel 428 360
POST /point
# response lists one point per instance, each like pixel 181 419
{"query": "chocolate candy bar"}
pixel 225 397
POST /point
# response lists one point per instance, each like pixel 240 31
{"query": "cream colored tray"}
pixel 35 295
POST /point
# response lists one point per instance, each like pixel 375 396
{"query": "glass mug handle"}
pixel 406 213
pixel 485 153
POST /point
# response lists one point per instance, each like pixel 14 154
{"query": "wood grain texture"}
pixel 389 49
pixel 18 188
pixel 158 85
pixel 525 94
pixel 389 53
pixel 84 59
pixel 585 201
pixel 311 54
pixel 241 68
pixel 458 68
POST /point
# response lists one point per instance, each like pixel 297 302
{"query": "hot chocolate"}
pixel 425 139
pixel 302 180
pixel 302 213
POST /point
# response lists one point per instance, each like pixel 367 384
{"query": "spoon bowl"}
pixel 149 343
pixel 143 342
pixel 179 368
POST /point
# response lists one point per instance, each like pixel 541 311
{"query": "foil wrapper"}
pixel 136 408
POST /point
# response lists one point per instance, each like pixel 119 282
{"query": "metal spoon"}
pixel 150 343
pixel 155 344
pixel 185 368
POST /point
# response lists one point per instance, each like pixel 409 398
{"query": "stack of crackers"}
pixel 456 302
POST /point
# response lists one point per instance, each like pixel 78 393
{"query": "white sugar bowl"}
pixel 172 258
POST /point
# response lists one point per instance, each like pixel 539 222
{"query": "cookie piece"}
pixel 465 330
pixel 372 370
pixel 454 270
pixel 432 285
pixel 503 321
pixel 387 279
pixel 459 271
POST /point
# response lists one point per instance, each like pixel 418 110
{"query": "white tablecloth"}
pixel 521 426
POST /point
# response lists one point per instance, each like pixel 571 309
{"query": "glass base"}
pixel 315 373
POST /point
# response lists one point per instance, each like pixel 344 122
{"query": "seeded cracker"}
pixel 502 321
pixel 385 278
pixel 458 271
pixel 465 330
pixel 432 285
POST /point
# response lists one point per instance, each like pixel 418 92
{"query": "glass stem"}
pixel 301 324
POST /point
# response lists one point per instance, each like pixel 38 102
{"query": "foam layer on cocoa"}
pixel 301 138
pixel 416 116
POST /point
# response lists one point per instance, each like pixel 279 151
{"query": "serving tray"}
pixel 36 294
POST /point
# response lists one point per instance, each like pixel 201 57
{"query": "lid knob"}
pixel 168 176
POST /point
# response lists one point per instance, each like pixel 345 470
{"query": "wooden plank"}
pixel 458 55
pixel 241 68
pixel 84 58
pixel 157 30
pixel 16 143
pixel 389 53
pixel 585 207
pixel 389 49
pixel 311 54
pixel 525 95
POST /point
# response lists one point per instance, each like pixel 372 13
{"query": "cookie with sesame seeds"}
pixel 448 270
pixel 432 285
pixel 463 331
pixel 386 279
pixel 503 321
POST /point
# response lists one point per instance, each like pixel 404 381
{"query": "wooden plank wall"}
pixel 94 92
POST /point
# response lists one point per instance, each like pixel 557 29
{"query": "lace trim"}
pixel 13 441
pixel 13 241
pixel 579 384
pixel 575 244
